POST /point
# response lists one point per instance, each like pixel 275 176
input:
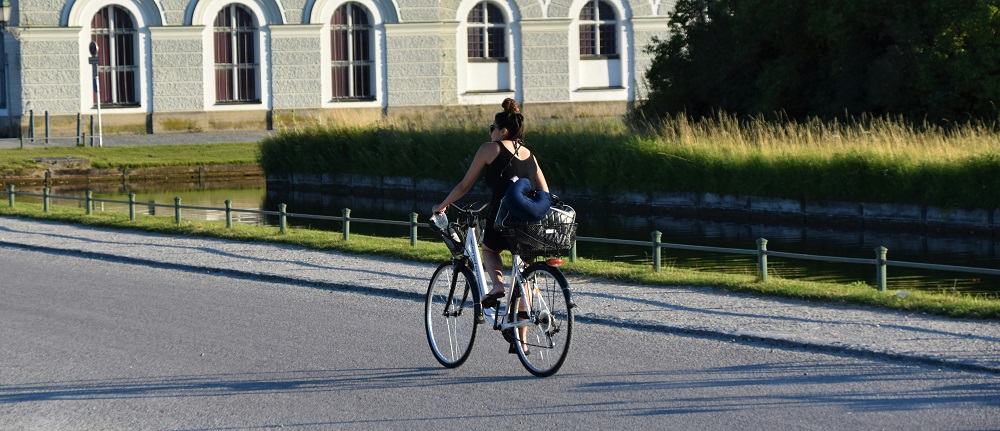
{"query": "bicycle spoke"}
pixel 547 338
pixel 450 323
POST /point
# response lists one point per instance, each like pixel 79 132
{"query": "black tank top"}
pixel 498 175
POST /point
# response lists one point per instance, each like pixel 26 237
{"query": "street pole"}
pixel 3 54
pixel 5 10
pixel 100 129
pixel 94 60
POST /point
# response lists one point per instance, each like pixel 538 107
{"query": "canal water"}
pixel 610 221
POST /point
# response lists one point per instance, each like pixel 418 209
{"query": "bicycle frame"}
pixel 473 254
pixel 538 334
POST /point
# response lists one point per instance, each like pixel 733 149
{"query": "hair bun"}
pixel 510 106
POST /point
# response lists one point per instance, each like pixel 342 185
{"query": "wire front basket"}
pixel 554 235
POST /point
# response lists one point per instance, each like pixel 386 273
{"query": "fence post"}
pixel 91 130
pixel 46 127
pixel 45 199
pixel 90 202
pixel 347 224
pixel 229 214
pixel 177 209
pixel 131 206
pixel 762 259
pixel 656 250
pixel 572 252
pixel 10 195
pixel 79 130
pixel 413 229
pixel 282 223
pixel 31 125
pixel 880 254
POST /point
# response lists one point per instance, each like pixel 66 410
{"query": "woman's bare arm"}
pixel 486 153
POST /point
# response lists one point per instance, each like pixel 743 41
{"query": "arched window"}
pixel 351 65
pixel 598 25
pixel 114 32
pixel 236 65
pixel 487 30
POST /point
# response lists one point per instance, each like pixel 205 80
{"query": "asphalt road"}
pixel 97 344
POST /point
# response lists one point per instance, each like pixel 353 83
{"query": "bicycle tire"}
pixel 450 314
pixel 548 337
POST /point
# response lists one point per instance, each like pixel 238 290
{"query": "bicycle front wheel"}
pixel 543 345
pixel 450 315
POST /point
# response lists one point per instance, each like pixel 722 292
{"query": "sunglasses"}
pixel 493 127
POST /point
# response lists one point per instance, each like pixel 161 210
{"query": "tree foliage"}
pixel 933 60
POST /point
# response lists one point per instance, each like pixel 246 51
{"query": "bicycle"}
pixel 538 329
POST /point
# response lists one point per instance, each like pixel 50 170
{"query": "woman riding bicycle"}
pixel 503 158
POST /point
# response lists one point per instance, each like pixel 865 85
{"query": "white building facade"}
pixel 170 64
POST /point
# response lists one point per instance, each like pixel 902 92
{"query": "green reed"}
pixel 867 160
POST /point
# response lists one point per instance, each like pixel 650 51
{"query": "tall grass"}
pixel 874 136
pixel 870 159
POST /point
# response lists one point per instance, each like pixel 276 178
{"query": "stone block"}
pixel 365 181
pixel 397 183
pixel 684 200
pixel 631 198
pixel 436 186
pixel 775 205
pixel 726 202
pixel 894 212
pixel 967 217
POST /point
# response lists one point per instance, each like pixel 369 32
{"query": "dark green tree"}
pixel 937 60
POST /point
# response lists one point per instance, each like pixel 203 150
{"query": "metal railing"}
pixel 880 261
pixel 80 139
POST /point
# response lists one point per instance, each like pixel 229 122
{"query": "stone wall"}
pixel 888 216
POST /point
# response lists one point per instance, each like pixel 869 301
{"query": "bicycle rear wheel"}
pixel 543 348
pixel 449 314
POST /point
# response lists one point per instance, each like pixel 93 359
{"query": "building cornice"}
pixel 295 30
pixel 49 34
pixel 544 25
pixel 176 32
pixel 420 28
pixel 651 23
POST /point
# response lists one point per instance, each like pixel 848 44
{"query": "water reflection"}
pixel 242 194
pixel 604 221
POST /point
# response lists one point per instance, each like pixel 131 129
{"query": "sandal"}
pixel 492 299
pixel 513 350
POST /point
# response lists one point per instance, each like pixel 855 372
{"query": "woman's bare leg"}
pixel 494 268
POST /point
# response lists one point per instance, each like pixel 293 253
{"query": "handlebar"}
pixel 455 230
pixel 467 214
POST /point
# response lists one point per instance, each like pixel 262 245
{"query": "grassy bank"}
pixel 946 304
pixel 145 156
pixel 870 160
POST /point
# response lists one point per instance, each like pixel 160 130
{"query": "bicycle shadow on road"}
pixel 214 385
